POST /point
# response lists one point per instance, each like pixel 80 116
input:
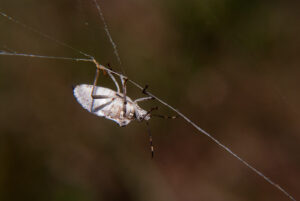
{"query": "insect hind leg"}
pixel 93 95
pixel 96 81
pixel 94 85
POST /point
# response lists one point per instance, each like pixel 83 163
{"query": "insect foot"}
pixel 145 88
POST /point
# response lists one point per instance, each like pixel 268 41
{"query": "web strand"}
pixel 42 56
pixel 259 173
pixel 116 52
pixel 44 35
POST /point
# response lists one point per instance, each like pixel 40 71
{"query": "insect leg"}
pixel 145 88
pixel 144 99
pixel 164 117
pixel 100 96
pixel 113 78
pixel 94 84
pixel 100 107
pixel 93 90
pixel 152 109
pixel 144 91
pixel 150 140
pixel 124 81
pixel 95 81
pixel 115 81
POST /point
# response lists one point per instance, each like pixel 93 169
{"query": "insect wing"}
pixel 104 107
pixel 96 106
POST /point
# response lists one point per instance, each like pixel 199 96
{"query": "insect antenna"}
pixel 150 140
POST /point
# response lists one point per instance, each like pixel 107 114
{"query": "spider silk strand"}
pixel 116 52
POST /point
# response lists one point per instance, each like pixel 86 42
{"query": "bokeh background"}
pixel 232 66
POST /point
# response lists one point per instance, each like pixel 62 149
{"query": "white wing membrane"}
pixel 110 107
pixel 83 95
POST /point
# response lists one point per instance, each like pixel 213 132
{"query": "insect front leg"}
pixel 145 89
pixel 144 99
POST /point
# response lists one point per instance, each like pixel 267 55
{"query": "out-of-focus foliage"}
pixel 232 66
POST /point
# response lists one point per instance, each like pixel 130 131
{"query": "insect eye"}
pixel 140 117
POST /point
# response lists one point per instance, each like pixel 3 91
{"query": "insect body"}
pixel 109 104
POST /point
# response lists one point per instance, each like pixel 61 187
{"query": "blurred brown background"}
pixel 232 66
